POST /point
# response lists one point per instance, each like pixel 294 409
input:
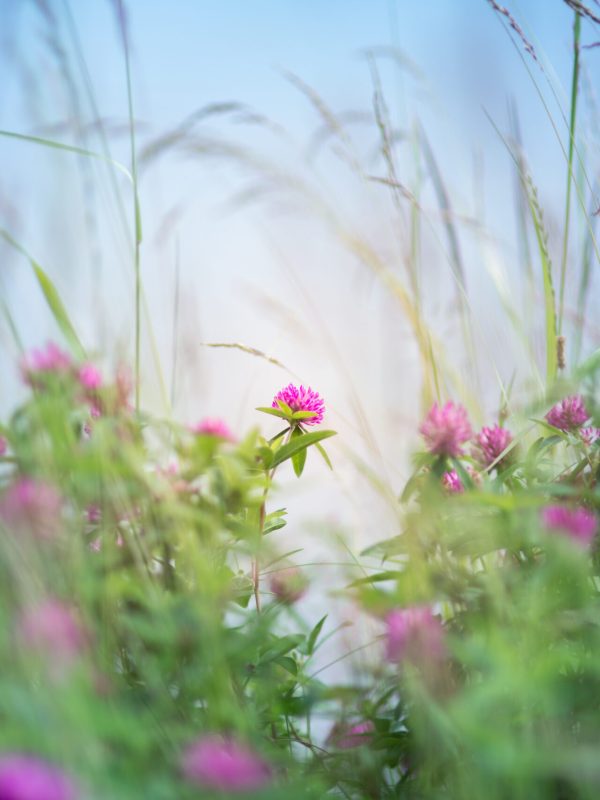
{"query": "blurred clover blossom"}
pixel 452 482
pixel 579 524
pixel 490 443
pixel 26 777
pixel 568 414
pixel 225 765
pixel 445 429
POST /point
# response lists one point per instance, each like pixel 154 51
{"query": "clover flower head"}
pixel 50 359
pixel 445 429
pixel 212 426
pixel 452 483
pixel 490 443
pixel 414 634
pixel 579 524
pixel 90 377
pixel 300 398
pixel 568 414
pixel 26 777
pixel 347 737
pixel 32 505
pixel 225 765
pixel 589 435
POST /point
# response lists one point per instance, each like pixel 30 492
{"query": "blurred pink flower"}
pixel 52 630
pixel 568 414
pixel 489 443
pixel 589 435
pixel 288 585
pixel 452 483
pixel 50 359
pixel 225 765
pixel 3 445
pixel 446 429
pixel 212 426
pixel 577 523
pixel 414 634
pixel 90 377
pixel 26 777
pixel 346 737
pixel 302 399
pixel 32 505
pixel 93 513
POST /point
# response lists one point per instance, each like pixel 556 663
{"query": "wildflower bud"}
pixel 589 435
pixel 452 483
pixel 90 377
pixel 26 777
pixel 224 765
pixel 288 585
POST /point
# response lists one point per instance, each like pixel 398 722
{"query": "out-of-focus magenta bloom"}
pixel 225 765
pixel 26 777
pixel 90 377
pixel 93 514
pixel 452 483
pixel 51 359
pixel 212 426
pixel 346 737
pixel 299 398
pixel 3 445
pixel 445 429
pixel 568 414
pixel 577 523
pixel 288 585
pixel 490 443
pixel 589 435
pixel 53 631
pixel 414 634
pixel 32 506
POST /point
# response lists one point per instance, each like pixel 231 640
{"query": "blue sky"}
pixel 188 54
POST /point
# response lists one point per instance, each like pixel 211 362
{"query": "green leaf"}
pixel 278 435
pixel 388 575
pixel 314 635
pixel 300 443
pixel 304 414
pixel 275 412
pixel 299 458
pixel 52 297
pixel 274 521
pixel 266 454
pixel 323 453
pixel 279 647
pixel 285 408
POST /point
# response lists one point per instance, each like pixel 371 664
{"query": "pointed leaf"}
pixel 300 443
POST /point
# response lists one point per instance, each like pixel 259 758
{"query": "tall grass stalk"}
pixel 572 121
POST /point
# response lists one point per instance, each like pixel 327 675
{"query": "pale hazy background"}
pixel 261 267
